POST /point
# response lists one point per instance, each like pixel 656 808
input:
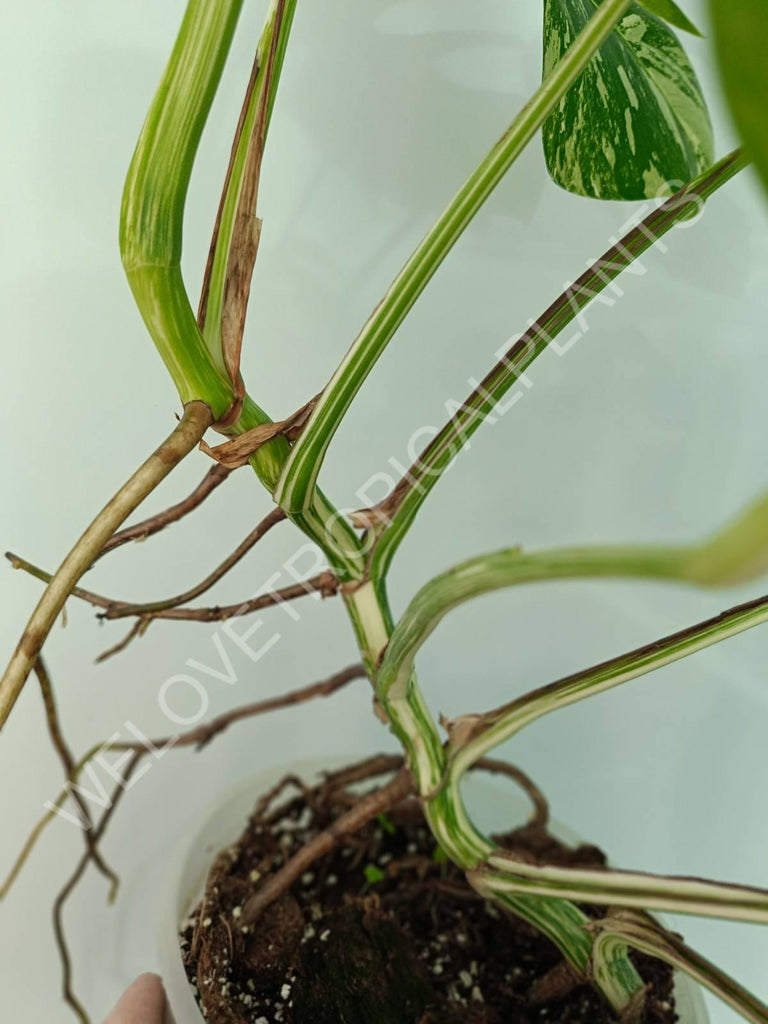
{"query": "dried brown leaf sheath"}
pixel 238 451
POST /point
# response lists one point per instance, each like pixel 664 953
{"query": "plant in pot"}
pixel 372 893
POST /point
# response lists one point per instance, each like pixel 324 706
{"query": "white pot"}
pixel 222 825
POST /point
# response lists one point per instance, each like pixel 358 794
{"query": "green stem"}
pixel 322 523
pixel 504 873
pixel 401 699
pixel 300 475
pixel 489 730
pixel 416 730
pixel 396 514
pixel 737 552
pixel 545 901
pixel 152 217
pixel 154 196
pixel 613 933
pixel 150 242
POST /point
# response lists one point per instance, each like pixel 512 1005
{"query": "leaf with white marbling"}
pixel 635 124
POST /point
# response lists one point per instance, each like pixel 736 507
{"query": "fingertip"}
pixel 142 1003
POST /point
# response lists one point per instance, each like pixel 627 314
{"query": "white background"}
pixel 652 428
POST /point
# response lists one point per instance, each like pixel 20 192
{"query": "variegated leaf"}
pixel 635 124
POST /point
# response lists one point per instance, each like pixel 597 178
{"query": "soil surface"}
pixel 382 930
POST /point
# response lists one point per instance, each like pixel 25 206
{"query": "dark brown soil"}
pixel 381 931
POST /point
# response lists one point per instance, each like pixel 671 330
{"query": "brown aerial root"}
pixel 139 628
pixel 198 738
pixel 215 476
pixel 557 983
pixel 540 817
pixel 122 609
pixel 68 763
pixel 71 884
pixel 361 771
pixel 325 584
pixel 364 810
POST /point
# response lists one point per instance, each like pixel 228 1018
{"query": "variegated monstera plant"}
pixel 622 117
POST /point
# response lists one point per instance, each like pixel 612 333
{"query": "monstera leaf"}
pixel 741 34
pixel 634 125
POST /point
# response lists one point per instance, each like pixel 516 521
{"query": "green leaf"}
pixel 373 874
pixel 386 823
pixel 635 124
pixel 741 32
pixel 668 11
